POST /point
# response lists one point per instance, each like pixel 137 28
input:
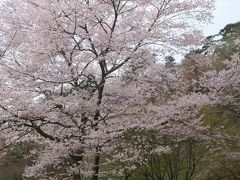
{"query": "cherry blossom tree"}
pixel 77 74
pixel 222 87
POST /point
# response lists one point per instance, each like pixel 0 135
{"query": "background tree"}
pixel 171 64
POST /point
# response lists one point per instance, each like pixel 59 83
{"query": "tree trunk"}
pixel 76 159
pixel 96 165
pixel 76 177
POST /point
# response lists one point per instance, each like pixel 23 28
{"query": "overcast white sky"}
pixel 227 11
